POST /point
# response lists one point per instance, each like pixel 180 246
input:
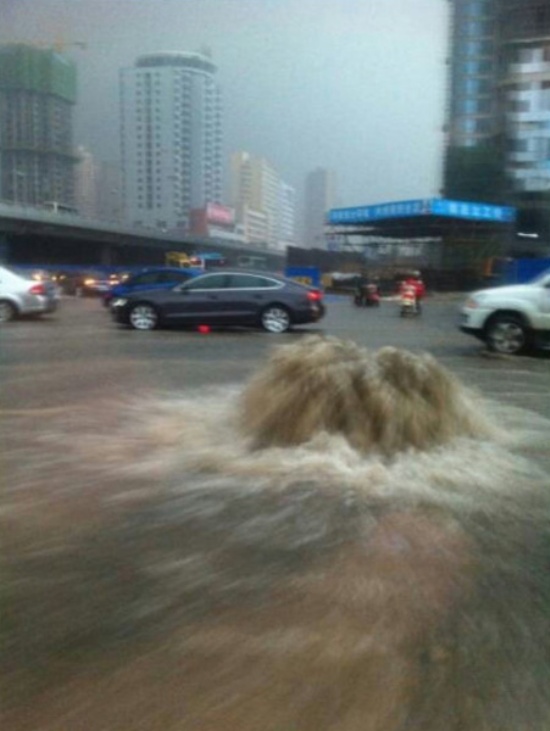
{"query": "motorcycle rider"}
pixel 414 281
pixel 367 290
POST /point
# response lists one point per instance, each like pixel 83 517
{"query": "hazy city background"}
pixel 353 86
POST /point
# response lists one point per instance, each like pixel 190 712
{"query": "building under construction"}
pixel 455 243
pixel 497 128
pixel 37 95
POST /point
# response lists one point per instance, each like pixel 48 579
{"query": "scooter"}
pixel 408 302
pixel 367 296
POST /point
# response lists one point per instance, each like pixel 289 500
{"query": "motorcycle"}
pixel 367 295
pixel 408 302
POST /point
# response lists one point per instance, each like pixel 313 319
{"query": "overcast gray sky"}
pixel 355 85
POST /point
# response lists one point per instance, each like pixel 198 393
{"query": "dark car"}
pixel 150 278
pixel 249 298
pixel 98 284
pixel 85 283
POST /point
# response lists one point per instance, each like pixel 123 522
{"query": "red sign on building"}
pixel 214 215
pixel 220 215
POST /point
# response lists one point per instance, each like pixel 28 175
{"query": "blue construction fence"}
pixel 519 271
pixel 311 276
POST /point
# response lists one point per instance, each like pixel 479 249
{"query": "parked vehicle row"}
pixel 86 283
pixel 170 296
pixel 21 294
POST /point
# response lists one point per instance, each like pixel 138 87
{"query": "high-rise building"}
pixel 109 192
pixel 320 197
pixel 256 197
pixel 525 83
pixel 86 183
pixel 287 215
pixel 498 121
pixel 171 132
pixel 474 73
pixel 37 95
pixel 473 158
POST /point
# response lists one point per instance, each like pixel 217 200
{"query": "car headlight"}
pixel 119 302
pixel 474 301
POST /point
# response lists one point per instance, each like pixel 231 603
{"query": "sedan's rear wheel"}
pixel 143 317
pixel 7 311
pixel 507 335
pixel 276 319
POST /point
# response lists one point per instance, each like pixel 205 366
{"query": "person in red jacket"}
pixel 414 280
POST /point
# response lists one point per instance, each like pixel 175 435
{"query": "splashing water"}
pixel 352 541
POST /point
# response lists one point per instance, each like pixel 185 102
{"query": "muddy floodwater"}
pixel 350 539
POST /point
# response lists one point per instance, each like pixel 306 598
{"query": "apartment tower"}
pixel 171 138
pixel 287 215
pixel 320 197
pixel 256 194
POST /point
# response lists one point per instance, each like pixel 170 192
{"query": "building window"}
pixel 518 105
pixel 467 126
pixel 526 55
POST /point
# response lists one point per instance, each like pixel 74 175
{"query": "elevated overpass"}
pixel 31 235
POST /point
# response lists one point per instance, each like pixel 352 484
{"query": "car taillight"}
pixel 314 295
pixel 37 289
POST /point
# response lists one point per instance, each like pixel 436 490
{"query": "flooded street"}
pixel 202 532
pixel 79 358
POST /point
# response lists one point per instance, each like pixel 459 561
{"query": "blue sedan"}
pixel 150 278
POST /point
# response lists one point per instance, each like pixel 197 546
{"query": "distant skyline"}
pixel 357 86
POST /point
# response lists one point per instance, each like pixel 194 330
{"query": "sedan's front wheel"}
pixel 276 319
pixel 506 334
pixel 143 317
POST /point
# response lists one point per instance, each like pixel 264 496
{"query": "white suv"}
pixel 20 295
pixel 510 319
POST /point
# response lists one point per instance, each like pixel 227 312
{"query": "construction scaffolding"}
pixel 37 94
pixel 454 243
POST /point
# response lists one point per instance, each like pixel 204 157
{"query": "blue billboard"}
pixel 311 276
pixel 473 211
pixel 469 210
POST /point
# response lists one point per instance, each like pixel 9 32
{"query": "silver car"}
pixel 20 294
